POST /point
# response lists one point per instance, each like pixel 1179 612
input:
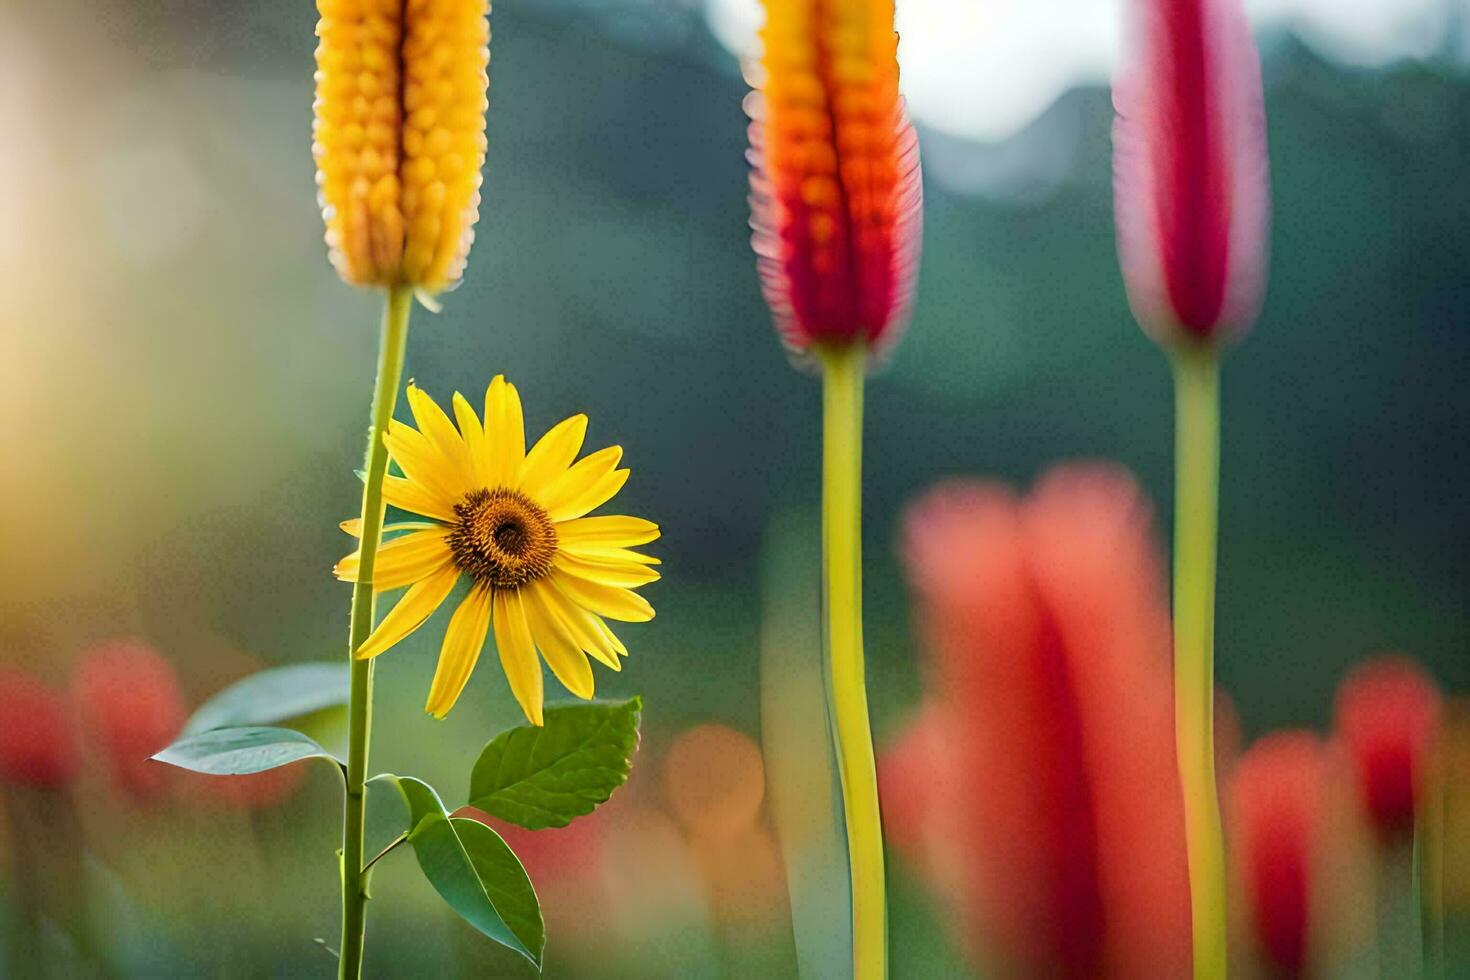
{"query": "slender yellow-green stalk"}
pixel 360 699
pixel 842 614
pixel 1196 499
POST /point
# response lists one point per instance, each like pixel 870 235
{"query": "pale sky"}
pixel 983 69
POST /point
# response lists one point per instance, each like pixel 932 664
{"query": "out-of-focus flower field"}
pixel 183 404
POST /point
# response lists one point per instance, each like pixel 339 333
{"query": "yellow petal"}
pixel 563 655
pixel 474 439
pixel 412 611
pixel 518 652
pixel 584 473
pixel 553 453
pixel 592 497
pixel 423 463
pixel 441 434
pixel 505 432
pixel 608 554
pixel 462 644
pixel 611 531
pixel 609 637
pixel 402 560
pixel 622 574
pixel 407 495
pixel 605 600
pixel 353 526
pixel 579 624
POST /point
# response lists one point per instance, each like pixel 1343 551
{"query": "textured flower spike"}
pixel 399 136
pixel 1387 715
pixel 37 744
pixel 1189 169
pixel 836 196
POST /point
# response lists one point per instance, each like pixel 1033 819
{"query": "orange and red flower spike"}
pixel 1191 194
pixel 836 195
pixel 1387 716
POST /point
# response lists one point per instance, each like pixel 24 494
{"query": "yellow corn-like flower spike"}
pixel 399 136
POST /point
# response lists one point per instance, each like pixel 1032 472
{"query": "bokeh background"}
pixel 185 383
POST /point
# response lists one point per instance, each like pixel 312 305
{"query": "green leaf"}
pixel 544 777
pixel 473 870
pixel 240 751
pixel 274 696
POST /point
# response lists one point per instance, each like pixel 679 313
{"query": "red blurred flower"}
pixel 129 699
pixel 1277 810
pixel 1387 715
pixel 37 744
pixel 836 195
pixel 1051 814
pixel 1190 177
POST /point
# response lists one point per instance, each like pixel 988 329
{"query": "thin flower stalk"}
pixel 1191 205
pixel 847 699
pixel 836 208
pixel 360 697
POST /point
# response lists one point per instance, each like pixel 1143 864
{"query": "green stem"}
pixel 360 697
pixel 1197 465
pixel 842 439
pixel 1396 907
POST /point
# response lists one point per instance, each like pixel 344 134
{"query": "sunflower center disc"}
pixel 502 539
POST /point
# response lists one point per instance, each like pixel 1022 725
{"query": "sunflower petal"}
pixel 518 652
pixel 622 574
pixel 407 495
pixel 563 655
pixel 576 479
pixel 474 439
pixel 462 644
pixel 402 560
pixel 441 434
pixel 609 637
pixel 605 600
pixel 423 463
pixel 505 432
pixel 353 526
pixel 579 624
pixel 610 531
pixel 601 554
pixel 553 453
pixel 412 611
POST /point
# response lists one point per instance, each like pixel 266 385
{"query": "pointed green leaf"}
pixel 274 696
pixel 240 751
pixel 473 870
pixel 544 777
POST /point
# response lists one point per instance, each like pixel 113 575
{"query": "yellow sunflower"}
pixel 542 573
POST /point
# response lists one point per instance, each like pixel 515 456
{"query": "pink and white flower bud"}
pixel 1191 192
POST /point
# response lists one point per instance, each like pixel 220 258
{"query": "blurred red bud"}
pixel 1387 716
pixel 1276 807
pixel 1051 820
pixel 38 746
pixel 129 701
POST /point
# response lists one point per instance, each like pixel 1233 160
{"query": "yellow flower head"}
pixel 399 136
pixel 542 574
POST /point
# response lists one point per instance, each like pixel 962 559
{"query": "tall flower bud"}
pixel 1387 716
pixel 836 195
pixel 1190 187
pixel 399 136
